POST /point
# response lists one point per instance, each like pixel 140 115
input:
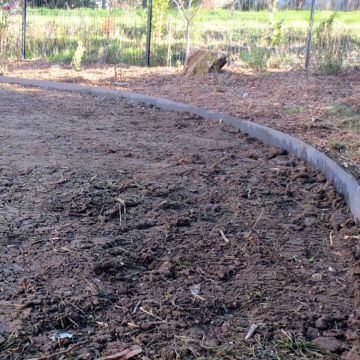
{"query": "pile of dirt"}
pixel 129 230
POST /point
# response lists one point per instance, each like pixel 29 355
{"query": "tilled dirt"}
pixel 129 230
pixel 321 110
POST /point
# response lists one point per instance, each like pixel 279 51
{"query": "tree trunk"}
pixel 105 4
pixel 187 38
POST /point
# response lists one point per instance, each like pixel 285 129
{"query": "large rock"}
pixel 201 62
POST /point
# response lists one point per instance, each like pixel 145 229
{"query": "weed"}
pixel 276 61
pixel 289 343
pixel 294 258
pixel 328 48
pixel 345 116
pixel 257 58
pixel 278 36
pixel 283 346
pixel 3 69
pixel 160 8
pixel 312 260
pixel 78 56
pixel 4 24
pixel 295 110
pixel 336 145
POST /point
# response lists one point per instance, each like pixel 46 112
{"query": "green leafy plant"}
pixel 336 145
pixel 3 69
pixel 291 344
pixel 160 8
pixel 278 35
pixel 5 11
pixel 256 58
pixel 78 56
pixel 345 116
pixel 328 48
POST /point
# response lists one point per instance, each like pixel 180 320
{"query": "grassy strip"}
pixel 119 35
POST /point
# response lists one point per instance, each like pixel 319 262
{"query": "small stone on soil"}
pixel 327 343
pixel 311 333
pixel 316 277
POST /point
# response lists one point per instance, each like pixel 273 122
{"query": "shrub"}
pixel 78 56
pixel 336 145
pixel 3 69
pixel 5 10
pixel 257 58
pixel 160 7
pixel 328 48
pixel 278 35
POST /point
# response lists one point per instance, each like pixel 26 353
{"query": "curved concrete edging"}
pixel 344 183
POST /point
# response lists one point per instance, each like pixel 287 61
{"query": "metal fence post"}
pixel 148 35
pixel 24 29
pixel 309 37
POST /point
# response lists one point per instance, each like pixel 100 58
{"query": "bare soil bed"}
pixel 321 110
pixel 154 235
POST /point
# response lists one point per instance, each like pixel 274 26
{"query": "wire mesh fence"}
pixel 90 35
pixel 254 33
pixel 260 34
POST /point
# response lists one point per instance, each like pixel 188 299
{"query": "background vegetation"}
pixel 252 38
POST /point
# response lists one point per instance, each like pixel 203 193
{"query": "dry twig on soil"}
pixel 150 313
pixel 251 331
pixel 223 236
pixel 126 354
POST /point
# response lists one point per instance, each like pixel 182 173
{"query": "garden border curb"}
pixel 344 183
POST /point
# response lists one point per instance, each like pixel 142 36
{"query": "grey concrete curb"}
pixel 344 183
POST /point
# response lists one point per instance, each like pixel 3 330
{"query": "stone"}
pixel 55 67
pixel 320 178
pixel 201 62
pixel 316 277
pixel 327 343
pixel 311 333
pixel 120 84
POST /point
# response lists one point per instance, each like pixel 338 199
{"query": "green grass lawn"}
pixel 120 35
pixel 208 15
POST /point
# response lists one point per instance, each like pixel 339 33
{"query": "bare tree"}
pixel 188 10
